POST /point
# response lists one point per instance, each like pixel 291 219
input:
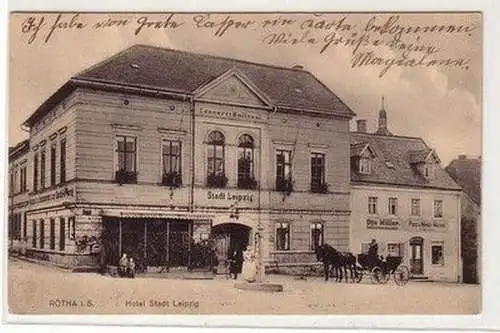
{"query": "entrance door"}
pixel 229 237
pixel 417 253
pixel 179 246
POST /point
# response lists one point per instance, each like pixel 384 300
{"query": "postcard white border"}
pixel 488 319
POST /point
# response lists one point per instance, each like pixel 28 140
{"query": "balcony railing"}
pixel 126 177
pixel 284 185
pixel 319 188
pixel 172 179
pixel 216 180
pixel 247 182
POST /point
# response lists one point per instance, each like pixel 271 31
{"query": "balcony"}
pixel 216 181
pixel 126 177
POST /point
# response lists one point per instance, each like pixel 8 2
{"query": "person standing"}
pixel 373 250
pixel 123 265
pixel 131 268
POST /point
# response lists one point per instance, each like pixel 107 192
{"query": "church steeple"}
pixel 382 120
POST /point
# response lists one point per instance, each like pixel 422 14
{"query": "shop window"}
pixel 52 231
pixel 35 172
pixel 171 157
pixel 25 227
pixel 62 160
pixel 316 235
pixel 42 234
pixel 34 233
pixel 126 170
pixel 438 208
pixel 246 179
pixel 282 236
pixel 393 206
pixel 62 234
pixel 53 165
pixel 437 253
pixel 318 184
pixel 284 170
pixel 215 160
pixel 415 207
pixel 394 249
pixel 372 205
pixel 43 162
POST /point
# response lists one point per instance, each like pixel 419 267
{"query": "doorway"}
pixel 416 255
pixel 229 237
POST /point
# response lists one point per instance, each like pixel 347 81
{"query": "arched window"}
pixel 215 159
pixel 246 178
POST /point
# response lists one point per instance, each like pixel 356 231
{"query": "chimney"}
pixel 361 125
pixel 462 157
pixel 298 67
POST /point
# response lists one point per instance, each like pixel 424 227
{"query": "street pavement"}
pixel 41 289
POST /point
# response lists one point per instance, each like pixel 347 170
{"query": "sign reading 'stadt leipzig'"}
pixel 230 196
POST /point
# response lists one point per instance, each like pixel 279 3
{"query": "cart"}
pixel 380 271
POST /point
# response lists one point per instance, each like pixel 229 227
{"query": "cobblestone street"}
pixel 38 289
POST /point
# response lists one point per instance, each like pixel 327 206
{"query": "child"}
pixel 122 265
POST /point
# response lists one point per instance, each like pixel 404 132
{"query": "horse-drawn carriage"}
pixel 340 264
pixel 381 270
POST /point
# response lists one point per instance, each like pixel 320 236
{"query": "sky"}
pixel 441 104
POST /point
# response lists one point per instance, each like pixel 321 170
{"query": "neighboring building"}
pixel 404 199
pixel 153 151
pixel 18 180
pixel 467 173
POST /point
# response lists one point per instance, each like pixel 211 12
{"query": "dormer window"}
pixel 365 165
pixel 362 157
pixel 425 162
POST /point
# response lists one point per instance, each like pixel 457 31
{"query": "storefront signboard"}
pixel 385 223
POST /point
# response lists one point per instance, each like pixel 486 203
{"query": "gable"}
pixel 232 88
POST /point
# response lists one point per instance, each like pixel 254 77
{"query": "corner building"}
pixel 154 151
pixel 402 197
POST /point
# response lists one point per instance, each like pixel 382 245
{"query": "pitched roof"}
pixel 392 164
pixel 183 72
pixel 467 173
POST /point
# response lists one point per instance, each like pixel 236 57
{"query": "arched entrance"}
pixel 416 255
pixel 229 237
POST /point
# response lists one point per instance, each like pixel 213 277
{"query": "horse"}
pixel 339 262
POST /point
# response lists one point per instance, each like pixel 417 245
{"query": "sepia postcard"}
pixel 208 163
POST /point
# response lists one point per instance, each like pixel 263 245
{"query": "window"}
pixel 34 233
pixel 393 249
pixel 415 207
pixel 316 235
pixel 52 231
pixel 42 234
pixel 171 157
pixel 437 253
pixel 16 177
pixel 23 179
pixel 53 165
pixel 35 172
pixel 12 182
pixel 282 236
pixel 42 169
pixel 438 208
pixel 62 234
pixel 284 170
pixel 62 162
pixel 246 178
pixel 215 160
pixel 71 228
pixel 365 165
pixel 393 206
pixel 25 227
pixel 372 205
pixel 126 172
pixel 318 184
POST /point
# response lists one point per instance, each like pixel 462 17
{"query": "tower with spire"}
pixel 382 121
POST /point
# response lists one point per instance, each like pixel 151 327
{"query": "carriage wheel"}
pixel 401 275
pixel 359 275
pixel 377 275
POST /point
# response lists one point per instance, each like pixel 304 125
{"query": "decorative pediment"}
pixel 232 87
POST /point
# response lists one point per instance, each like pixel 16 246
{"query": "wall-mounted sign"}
pixel 230 196
pixel 421 225
pixel 387 224
pixel 230 114
pixel 61 193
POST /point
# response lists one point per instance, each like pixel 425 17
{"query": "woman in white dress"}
pixel 249 269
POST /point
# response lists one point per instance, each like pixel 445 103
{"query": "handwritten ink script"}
pixel 381 41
